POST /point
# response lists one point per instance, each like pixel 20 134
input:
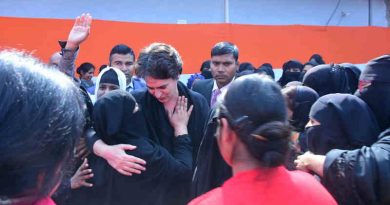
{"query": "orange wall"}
pixel 257 44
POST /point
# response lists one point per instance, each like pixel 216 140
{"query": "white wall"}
pixel 266 12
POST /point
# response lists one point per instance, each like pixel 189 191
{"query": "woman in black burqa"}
pixel 361 176
pixel 345 122
pixel 291 72
pixel 118 120
pixel 299 100
pixel 332 78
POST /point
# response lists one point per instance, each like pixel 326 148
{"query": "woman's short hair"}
pixel 41 117
pixel 255 109
pixel 159 61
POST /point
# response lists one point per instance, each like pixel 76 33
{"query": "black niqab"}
pixel 304 99
pixel 377 95
pixel 288 76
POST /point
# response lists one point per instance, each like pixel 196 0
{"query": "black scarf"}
pixel 304 99
pixel 346 123
pixel 326 79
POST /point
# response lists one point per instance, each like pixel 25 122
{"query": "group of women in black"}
pixel 327 118
pixel 343 130
pixel 322 111
pixel 339 117
pixel 173 148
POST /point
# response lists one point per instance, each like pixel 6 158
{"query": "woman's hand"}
pixel 180 116
pixel 118 159
pixel 79 179
pixel 311 162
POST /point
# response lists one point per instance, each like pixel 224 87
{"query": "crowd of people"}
pixel 232 135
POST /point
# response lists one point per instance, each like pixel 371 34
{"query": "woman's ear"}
pixel 226 140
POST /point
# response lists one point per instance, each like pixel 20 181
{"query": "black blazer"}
pixel 204 87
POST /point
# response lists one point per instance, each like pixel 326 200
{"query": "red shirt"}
pixel 45 201
pixel 268 186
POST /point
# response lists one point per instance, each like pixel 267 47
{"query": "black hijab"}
pixel 266 68
pixel 316 59
pixel 353 74
pixel 116 119
pixel 288 76
pixel 205 70
pixel 304 99
pixel 245 66
pixel 326 79
pixel 377 95
pixel 346 123
pixel 243 73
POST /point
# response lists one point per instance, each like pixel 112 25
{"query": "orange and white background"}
pixel 274 31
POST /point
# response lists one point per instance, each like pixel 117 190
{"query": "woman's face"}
pixel 307 68
pixel 105 88
pixel 162 89
pixel 312 122
pixel 88 75
pixel 225 140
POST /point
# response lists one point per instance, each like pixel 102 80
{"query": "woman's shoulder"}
pixel 310 188
pixel 212 197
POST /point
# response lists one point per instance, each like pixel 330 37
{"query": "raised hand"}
pixel 80 31
pixel 180 116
